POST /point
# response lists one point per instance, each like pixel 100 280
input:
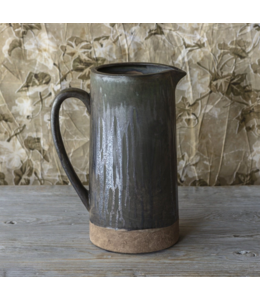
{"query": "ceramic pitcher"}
pixel 132 198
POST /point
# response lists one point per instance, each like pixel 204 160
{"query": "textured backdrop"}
pixel 218 102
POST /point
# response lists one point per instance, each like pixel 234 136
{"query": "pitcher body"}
pixel 132 198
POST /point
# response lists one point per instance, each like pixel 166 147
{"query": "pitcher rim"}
pixel 170 68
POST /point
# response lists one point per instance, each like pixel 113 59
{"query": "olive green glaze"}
pixel 133 171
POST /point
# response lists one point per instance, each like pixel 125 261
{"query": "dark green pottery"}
pixel 133 171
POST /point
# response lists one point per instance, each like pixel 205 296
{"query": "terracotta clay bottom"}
pixel 134 241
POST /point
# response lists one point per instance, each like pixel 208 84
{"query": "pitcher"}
pixel 132 198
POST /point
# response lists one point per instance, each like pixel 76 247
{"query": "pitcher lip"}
pixel 168 68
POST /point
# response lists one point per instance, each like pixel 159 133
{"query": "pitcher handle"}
pixel 56 134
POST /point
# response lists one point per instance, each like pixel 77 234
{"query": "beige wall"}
pixel 218 108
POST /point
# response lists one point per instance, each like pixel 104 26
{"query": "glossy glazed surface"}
pixel 133 168
pixel 133 172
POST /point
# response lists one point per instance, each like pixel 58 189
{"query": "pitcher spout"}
pixel 177 74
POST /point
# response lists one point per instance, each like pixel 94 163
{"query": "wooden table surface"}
pixel 44 232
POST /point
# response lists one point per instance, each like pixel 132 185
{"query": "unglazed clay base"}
pixel 134 241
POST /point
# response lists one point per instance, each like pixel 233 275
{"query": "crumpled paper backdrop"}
pixel 218 108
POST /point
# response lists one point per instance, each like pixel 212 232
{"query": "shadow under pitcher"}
pixel 132 198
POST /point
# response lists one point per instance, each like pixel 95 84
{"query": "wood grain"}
pixel 44 231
